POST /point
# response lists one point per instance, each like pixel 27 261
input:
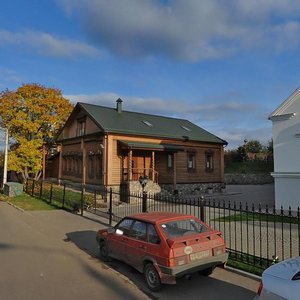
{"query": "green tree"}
pixel 33 114
pixel 253 146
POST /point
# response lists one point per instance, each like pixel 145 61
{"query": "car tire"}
pixel 152 277
pixel 103 251
pixel 208 271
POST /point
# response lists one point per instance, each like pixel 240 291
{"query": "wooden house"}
pixel 112 147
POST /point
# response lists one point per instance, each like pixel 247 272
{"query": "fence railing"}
pixel 254 235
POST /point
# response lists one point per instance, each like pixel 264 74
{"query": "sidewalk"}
pixel 54 255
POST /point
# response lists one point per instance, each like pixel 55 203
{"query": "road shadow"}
pixel 193 287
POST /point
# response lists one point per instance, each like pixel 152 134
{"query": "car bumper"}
pixel 195 266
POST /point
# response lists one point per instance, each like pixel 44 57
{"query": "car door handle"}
pixel 142 247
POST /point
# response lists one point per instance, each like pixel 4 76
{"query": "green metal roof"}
pixel 134 123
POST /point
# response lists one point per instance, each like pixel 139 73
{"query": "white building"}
pixel 286 143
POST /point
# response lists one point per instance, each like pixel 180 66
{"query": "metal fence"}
pixel 253 235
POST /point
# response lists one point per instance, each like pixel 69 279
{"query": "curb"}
pixel 243 273
pixel 16 207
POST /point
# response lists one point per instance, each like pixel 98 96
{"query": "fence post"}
pixel 110 207
pixel 202 209
pixel 32 187
pixel 95 200
pixel 41 189
pixel 144 207
pixel 51 187
pixel 26 188
pixel 64 196
pixel 81 201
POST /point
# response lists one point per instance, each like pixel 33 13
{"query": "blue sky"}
pixel 224 65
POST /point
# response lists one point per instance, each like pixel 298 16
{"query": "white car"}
pixel 281 281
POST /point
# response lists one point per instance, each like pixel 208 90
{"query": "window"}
pixel 148 123
pixel 170 161
pixel 180 228
pixel 153 237
pixel 91 166
pixel 185 128
pixel 209 161
pixel 125 226
pixel 98 166
pixel 191 161
pixel 138 231
pixel 81 127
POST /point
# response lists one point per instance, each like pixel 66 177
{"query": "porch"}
pixel 134 174
pixel 139 159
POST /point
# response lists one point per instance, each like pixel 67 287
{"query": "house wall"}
pixel 286 143
pixel 119 159
pixel 71 129
pixel 82 161
pixel 200 174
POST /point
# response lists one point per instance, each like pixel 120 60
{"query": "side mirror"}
pixel 119 232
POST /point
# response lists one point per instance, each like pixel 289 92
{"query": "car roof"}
pixel 285 269
pixel 156 217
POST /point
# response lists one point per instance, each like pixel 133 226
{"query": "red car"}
pixel 163 246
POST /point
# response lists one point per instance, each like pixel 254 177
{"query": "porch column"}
pixel 153 166
pixel 175 171
pixel 130 165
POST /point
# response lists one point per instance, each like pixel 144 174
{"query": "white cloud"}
pixel 8 75
pixel 190 30
pixel 46 44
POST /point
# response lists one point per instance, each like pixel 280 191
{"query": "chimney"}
pixel 119 105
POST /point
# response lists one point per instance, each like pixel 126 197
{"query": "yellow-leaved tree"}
pixel 33 115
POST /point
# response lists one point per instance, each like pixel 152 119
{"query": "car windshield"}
pixel 184 227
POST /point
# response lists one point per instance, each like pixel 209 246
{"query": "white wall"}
pixel 287 145
pixel 287 192
pixel 286 142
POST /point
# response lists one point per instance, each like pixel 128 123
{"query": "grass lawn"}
pixel 27 202
pixel 261 217
pixel 249 167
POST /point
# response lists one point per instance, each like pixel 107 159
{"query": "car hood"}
pixel 285 269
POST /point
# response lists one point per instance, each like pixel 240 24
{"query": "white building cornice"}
pixel 295 96
pixel 285 175
pixel 283 117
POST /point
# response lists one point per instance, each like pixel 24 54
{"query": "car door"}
pixel 119 239
pixel 137 245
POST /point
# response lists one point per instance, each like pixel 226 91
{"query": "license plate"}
pixel 199 255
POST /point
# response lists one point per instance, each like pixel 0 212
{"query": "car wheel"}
pixel 208 271
pixel 103 251
pixel 152 277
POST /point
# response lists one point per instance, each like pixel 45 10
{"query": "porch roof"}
pixel 150 146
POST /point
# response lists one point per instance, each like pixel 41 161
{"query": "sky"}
pixel 225 65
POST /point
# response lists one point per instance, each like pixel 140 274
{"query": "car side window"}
pixel 153 237
pixel 125 226
pixel 138 231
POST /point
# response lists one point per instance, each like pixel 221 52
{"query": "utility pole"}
pixel 5 158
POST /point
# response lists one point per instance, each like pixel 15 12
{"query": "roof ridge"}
pixel 135 112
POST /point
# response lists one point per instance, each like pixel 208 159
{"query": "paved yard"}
pixel 53 255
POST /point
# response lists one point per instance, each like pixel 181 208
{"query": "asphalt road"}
pixel 53 255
